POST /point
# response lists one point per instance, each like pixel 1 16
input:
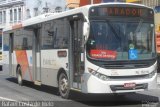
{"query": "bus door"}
pixel 76 52
pixel 11 38
pixel 36 57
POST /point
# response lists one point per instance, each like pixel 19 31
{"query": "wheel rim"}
pixel 63 85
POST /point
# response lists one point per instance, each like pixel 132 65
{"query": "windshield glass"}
pixel 115 40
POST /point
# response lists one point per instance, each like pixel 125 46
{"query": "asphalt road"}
pixel 12 92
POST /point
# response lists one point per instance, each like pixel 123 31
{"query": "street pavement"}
pixel 11 91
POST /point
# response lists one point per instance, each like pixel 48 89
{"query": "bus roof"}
pixel 51 16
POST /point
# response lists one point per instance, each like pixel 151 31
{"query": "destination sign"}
pixel 122 11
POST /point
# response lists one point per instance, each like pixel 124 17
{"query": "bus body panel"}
pixel 6 62
pixel 121 72
pixel 51 64
pixel 51 74
pixel 93 84
pixel 28 73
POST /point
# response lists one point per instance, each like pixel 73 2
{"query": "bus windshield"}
pixel 121 40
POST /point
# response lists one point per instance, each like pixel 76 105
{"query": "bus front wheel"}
pixel 19 76
pixel 63 85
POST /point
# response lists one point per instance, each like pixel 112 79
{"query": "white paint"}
pixel 3 98
pixel 16 102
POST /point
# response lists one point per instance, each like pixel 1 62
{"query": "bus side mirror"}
pixel 85 30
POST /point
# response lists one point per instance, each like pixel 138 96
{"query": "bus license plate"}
pixel 129 85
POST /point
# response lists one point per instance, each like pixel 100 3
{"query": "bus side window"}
pixel 5 41
pixel 24 41
pixel 62 34
pixel 48 35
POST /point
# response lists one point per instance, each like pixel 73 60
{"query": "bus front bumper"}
pixel 92 84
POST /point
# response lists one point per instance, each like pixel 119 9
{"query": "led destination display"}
pixel 121 11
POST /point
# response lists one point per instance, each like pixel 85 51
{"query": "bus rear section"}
pixel 120 51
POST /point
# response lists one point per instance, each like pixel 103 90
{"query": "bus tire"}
pixel 63 85
pixel 19 76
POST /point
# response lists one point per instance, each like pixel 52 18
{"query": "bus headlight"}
pixel 98 75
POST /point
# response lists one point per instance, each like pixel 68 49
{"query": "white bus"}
pixel 102 48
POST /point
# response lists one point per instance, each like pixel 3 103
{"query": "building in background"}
pixel 133 1
pixel 15 11
pixel 37 7
pixel 77 3
pixel 150 3
pixel 11 11
pixel 71 4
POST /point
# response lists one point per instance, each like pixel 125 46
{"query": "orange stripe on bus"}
pixel 21 56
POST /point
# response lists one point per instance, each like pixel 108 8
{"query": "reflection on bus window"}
pixel 55 34
pixel 23 39
pixel 121 37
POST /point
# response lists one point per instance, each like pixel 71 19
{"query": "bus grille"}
pixel 129 77
pixel 121 87
pixel 124 64
pixel 121 66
